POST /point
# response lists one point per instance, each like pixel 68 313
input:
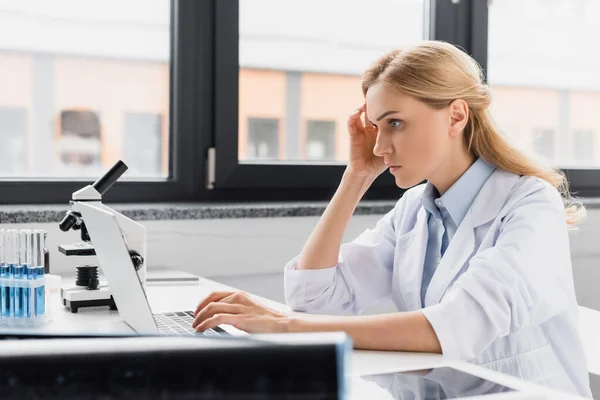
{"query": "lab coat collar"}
pixel 493 196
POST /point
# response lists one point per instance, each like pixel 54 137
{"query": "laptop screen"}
pixel 436 383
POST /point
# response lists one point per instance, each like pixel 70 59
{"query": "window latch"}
pixel 211 168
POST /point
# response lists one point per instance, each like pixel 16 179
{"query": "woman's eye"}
pixel 395 123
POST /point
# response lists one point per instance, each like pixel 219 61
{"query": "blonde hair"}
pixel 438 73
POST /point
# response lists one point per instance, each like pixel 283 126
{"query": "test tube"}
pixel 29 266
pixel 21 293
pixel 39 250
pixel 11 253
pixel 3 275
pixel 28 271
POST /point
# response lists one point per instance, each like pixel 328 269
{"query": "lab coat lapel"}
pixel 411 255
pixel 485 207
pixel 460 249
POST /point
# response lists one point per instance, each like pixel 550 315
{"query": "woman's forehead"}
pixel 381 98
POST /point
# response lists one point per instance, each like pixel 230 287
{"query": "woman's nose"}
pixel 381 147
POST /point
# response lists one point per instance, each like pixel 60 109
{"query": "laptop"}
pixel 125 285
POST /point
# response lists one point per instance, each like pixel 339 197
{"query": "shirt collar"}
pixel 428 199
pixel 458 199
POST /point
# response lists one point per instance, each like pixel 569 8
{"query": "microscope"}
pixel 87 290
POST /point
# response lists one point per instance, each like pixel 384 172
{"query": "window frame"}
pixel 191 39
pixel 271 177
pixel 461 22
pixel 203 120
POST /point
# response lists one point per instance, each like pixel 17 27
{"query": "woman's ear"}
pixel 458 112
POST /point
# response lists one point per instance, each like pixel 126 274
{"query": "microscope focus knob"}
pixel 136 259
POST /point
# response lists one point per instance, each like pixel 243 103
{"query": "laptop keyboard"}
pixel 180 324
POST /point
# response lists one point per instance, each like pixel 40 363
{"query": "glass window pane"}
pixel 263 138
pixel 84 83
pixel 300 64
pixel 320 142
pixel 584 143
pixel 143 143
pixel 543 144
pixel 544 77
pixel 13 136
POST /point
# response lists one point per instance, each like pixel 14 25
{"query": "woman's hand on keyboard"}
pixel 239 310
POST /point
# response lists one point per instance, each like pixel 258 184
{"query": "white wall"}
pixel 250 253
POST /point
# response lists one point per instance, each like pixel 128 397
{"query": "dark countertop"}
pixel 183 211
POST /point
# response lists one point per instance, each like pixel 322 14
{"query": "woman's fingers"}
pixel 355 123
pixel 354 116
pixel 216 308
pixel 223 297
pixel 237 309
pixel 246 323
pixel 213 297
pixel 237 298
pixel 369 127
pixel 219 319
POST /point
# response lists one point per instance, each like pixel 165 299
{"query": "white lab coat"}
pixel 501 297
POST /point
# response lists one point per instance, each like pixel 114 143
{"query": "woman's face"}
pixel 413 138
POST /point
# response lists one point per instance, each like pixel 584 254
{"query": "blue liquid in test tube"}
pixel 11 253
pixel 21 293
pixel 3 275
pixel 39 243
pixel 26 257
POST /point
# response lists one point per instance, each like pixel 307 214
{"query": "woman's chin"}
pixel 406 182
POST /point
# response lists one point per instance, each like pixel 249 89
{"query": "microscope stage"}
pixel 75 297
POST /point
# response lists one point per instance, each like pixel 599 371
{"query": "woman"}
pixel 476 260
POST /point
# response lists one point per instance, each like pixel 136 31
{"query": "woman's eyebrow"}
pixel 386 114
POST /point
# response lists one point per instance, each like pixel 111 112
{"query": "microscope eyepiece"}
pixel 110 177
pixel 68 221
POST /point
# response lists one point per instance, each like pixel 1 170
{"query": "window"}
pixel 536 85
pixel 13 137
pixel 263 139
pixel 80 65
pixel 142 145
pixel 543 144
pixel 320 140
pixel 300 63
pixel 584 146
pixel 248 99
pixel 297 73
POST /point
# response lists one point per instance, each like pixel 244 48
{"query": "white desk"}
pixel 171 297
pixel 589 327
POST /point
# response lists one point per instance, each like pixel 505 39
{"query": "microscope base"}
pixel 76 297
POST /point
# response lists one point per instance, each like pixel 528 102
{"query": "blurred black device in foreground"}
pixel 311 367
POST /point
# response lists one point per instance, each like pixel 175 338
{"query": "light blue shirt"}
pixel 445 214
